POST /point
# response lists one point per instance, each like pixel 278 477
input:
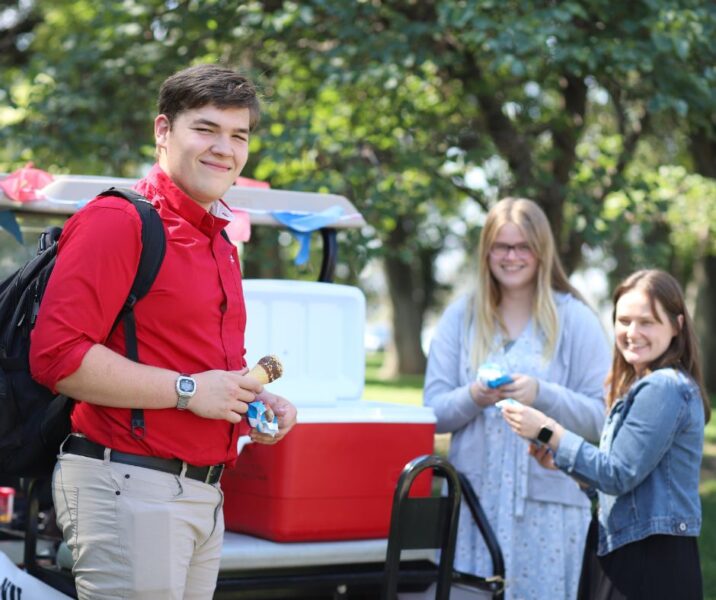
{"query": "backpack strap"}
pixel 150 260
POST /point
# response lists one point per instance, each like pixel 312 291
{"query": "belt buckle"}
pixel 213 474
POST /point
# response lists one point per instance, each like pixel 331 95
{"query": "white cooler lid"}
pixel 316 330
pixel 365 411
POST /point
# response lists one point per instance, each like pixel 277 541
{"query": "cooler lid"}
pixel 316 330
pixel 366 411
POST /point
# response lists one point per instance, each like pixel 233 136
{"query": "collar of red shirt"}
pixel 157 185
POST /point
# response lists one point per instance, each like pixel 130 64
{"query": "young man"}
pixel 142 511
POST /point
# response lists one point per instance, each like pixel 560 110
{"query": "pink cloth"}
pixel 24 184
pixel 246 182
pixel 239 230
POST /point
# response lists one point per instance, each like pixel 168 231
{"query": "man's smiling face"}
pixel 204 150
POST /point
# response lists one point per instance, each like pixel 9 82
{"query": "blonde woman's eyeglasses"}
pixel 499 250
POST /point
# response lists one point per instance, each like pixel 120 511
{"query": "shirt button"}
pixel 682 526
pixel 222 307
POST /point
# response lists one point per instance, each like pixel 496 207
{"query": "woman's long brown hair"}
pixel 682 353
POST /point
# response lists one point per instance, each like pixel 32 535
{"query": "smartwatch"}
pixel 545 434
pixel 186 388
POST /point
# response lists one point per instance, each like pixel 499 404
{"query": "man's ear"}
pixel 161 129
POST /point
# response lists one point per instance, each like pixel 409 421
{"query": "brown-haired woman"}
pixel 647 466
pixel 526 318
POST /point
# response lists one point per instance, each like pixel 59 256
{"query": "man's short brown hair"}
pixel 204 85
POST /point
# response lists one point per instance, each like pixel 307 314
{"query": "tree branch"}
pixel 511 144
pixel 630 137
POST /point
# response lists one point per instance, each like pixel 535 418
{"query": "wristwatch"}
pixel 545 434
pixel 186 388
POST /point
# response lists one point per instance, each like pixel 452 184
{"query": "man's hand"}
pixel 223 394
pixel 285 412
pixel 523 389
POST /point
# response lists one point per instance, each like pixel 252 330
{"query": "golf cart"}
pixel 349 489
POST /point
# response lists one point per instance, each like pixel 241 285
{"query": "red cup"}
pixel 7 499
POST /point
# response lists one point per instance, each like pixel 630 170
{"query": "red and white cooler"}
pixel 333 476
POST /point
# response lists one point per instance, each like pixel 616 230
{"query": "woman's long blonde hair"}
pixel 533 223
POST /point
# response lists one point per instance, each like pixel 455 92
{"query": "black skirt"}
pixel 657 567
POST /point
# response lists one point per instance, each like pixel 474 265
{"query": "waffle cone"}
pixel 268 369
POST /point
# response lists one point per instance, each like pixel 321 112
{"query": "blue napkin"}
pixel 259 420
pixel 301 226
pixel 9 224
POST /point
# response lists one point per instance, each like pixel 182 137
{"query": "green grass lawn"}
pixel 406 390
pixel 409 391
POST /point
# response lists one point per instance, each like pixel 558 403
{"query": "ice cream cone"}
pixel 268 369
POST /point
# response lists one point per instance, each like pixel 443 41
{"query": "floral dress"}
pixel 542 542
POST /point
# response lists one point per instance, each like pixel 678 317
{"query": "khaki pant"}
pixel 137 533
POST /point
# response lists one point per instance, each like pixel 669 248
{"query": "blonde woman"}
pixel 526 317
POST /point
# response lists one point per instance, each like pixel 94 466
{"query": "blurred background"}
pixel 423 113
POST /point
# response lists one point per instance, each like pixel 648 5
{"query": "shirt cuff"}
pixel 566 455
pixel 63 365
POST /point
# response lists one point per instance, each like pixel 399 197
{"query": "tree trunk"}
pixel 406 357
pixel 261 258
pixel 705 317
pixel 622 254
pixel 703 151
pixel 407 320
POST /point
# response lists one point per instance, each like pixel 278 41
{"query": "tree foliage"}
pixel 415 110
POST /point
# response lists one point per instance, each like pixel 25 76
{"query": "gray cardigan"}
pixel 572 393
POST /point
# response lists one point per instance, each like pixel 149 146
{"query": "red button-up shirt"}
pixel 192 320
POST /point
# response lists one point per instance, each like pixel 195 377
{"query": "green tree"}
pixel 396 104
pixel 562 93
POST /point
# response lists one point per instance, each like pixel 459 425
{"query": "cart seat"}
pixel 245 553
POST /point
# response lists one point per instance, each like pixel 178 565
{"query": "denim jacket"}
pixel 648 463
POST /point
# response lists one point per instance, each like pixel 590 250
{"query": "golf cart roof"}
pixel 66 193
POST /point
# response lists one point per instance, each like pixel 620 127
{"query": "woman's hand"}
pixel 525 421
pixel 542 455
pixel 483 395
pixel 523 389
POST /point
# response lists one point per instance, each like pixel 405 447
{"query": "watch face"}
pixel 544 435
pixel 186 385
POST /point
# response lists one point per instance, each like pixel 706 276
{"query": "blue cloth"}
pixel 302 225
pixel 647 466
pixel 9 223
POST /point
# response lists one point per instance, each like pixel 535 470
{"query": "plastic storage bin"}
pixel 333 476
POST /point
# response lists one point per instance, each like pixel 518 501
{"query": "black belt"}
pixel 84 447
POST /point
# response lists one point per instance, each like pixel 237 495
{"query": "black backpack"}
pixel 33 420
